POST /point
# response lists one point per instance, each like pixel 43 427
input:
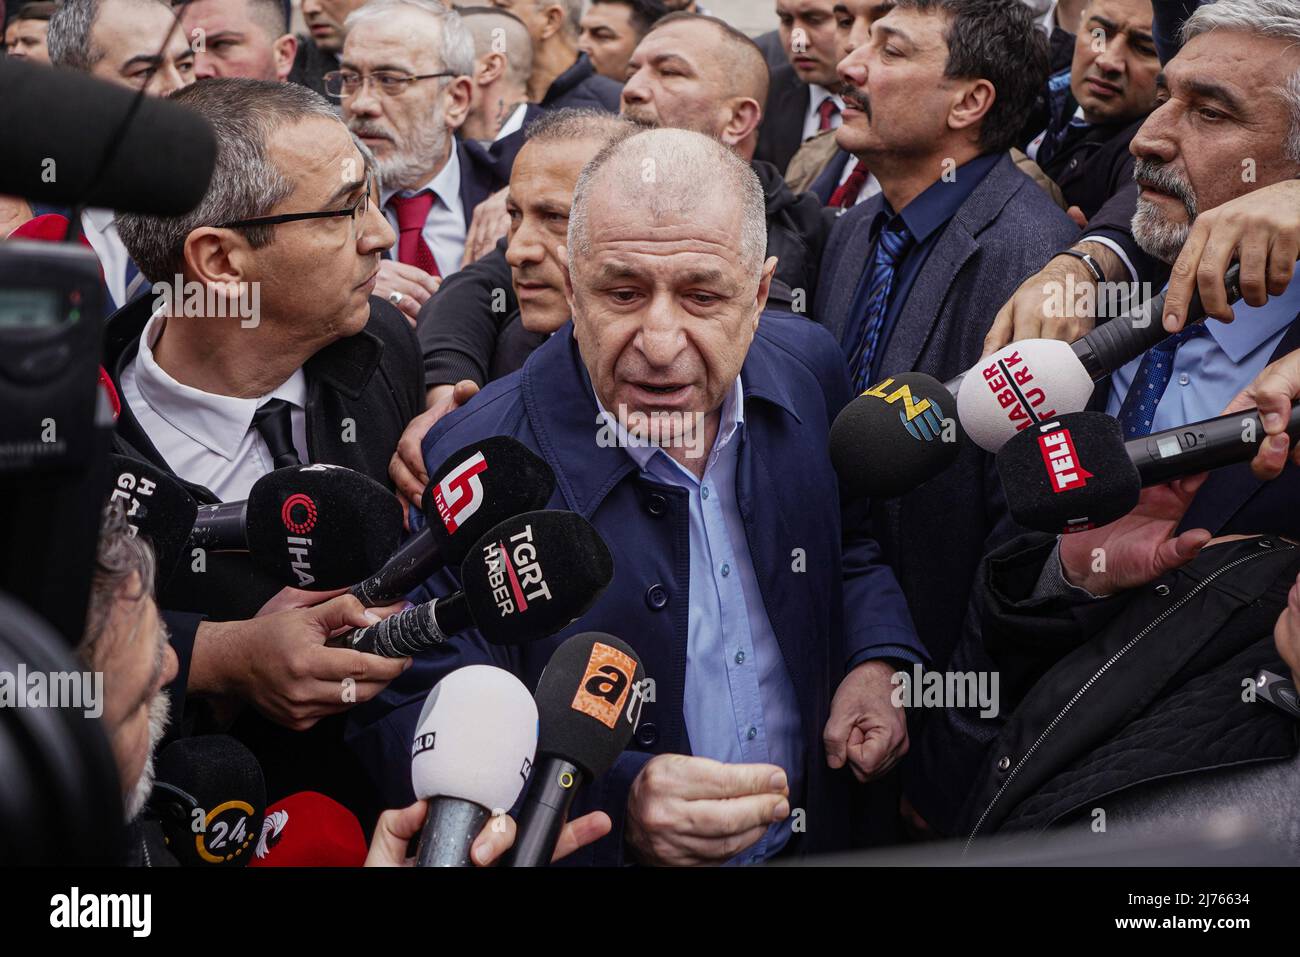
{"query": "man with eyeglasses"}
pixel 263 345
pixel 404 85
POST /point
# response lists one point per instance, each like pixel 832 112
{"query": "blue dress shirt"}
pixel 739 704
pixel 1209 370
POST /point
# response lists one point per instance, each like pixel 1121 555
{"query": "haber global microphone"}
pixel 473 749
pixel 1076 471
pixel 310 526
pixel 156 506
pixel 476 488
pixel 588 702
pixel 526 579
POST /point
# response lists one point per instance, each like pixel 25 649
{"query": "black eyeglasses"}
pixel 341 83
pixel 357 211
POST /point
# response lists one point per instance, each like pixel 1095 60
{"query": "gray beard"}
pixel 409 164
pixel 1156 235
pixel 158 713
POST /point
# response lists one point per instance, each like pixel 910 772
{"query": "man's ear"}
pixel 490 68
pixel 562 254
pixel 554 14
pixel 219 259
pixel 973 106
pixel 764 287
pixel 457 95
pixel 284 49
pixel 746 114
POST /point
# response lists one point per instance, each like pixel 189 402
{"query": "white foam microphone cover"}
pixel 1018 386
pixel 476 738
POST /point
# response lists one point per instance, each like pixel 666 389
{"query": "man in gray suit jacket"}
pixel 912 278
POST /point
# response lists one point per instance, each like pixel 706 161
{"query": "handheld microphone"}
pixel 473 749
pixel 475 489
pixel 210 796
pixel 308 829
pixel 588 701
pixel 1076 472
pixel 310 526
pixel 896 435
pixel 1034 380
pixel 525 579
pixel 156 506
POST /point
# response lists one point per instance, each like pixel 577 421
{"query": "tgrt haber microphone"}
pixel 1077 472
pixel 1034 380
pixel 894 436
pixel 476 488
pixel 311 526
pixel 588 703
pixel 473 749
pixel 526 579
pixel 210 795
pixel 156 506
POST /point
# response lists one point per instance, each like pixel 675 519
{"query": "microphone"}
pixel 1076 472
pixel 310 526
pixel 473 749
pixel 210 796
pixel 525 579
pixel 1033 380
pixel 475 489
pixel 60 123
pixel 588 701
pixel 156 506
pixel 895 436
pixel 308 829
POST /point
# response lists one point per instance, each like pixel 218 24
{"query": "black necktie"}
pixel 276 427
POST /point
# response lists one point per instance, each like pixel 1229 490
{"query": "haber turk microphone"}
pixel 588 701
pixel 158 507
pixel 1034 380
pixel 526 579
pixel 310 526
pixel 210 795
pixel 473 748
pixel 475 489
pixel 1076 471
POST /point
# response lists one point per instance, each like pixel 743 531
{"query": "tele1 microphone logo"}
pixel 604 687
pixel 1062 461
pixel 460 493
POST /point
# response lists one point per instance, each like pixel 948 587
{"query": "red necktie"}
pixel 825 113
pixel 412 212
pixel 846 194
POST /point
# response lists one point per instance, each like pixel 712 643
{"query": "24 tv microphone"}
pixel 474 745
pixel 588 702
pixel 1034 380
pixel 314 527
pixel 1076 471
pixel 475 489
pixel 526 579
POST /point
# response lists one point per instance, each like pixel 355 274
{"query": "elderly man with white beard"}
pixel 404 87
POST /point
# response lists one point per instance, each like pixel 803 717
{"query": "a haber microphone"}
pixel 526 579
pixel 314 527
pixel 1034 380
pixel 156 506
pixel 896 435
pixel 1076 471
pixel 473 749
pixel 588 702
pixel 475 489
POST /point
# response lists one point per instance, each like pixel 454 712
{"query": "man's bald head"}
pixel 499 31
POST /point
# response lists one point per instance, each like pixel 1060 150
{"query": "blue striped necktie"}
pixel 1138 409
pixel 893 243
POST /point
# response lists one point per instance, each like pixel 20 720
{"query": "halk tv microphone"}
pixel 1077 472
pixel 310 526
pixel 473 749
pixel 475 489
pixel 588 701
pixel 526 579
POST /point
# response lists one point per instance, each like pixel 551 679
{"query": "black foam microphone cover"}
pixel 321 526
pixel 895 436
pixel 534 574
pixel 157 506
pixel 58 124
pixel 210 795
pixel 1068 474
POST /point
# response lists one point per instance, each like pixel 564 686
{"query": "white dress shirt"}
pixel 100 231
pixel 206 439
pixel 870 188
pixel 514 122
pixel 444 229
pixel 811 120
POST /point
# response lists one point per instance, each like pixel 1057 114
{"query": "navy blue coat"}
pixel 795 381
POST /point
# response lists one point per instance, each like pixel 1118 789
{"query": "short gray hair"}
pixel 683 161
pixel 121 555
pixel 574 123
pixel 245 183
pixel 455 44
pixel 1276 19
pixel 68 40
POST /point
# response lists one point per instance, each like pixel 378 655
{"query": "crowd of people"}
pixel 533 217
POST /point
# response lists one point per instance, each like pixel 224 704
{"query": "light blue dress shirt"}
pixel 1210 370
pixel 740 705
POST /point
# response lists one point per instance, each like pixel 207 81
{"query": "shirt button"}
pixel 1184 378
pixel 740 657
pixel 752 733
pixel 726 569
pixel 704 492
pixel 656 596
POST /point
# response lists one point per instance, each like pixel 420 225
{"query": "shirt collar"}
pixel 513 122
pixel 940 201
pixel 1252 326
pixel 817 94
pixel 100 219
pixel 731 420
pixel 1048 20
pixel 217 422
pixel 445 184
